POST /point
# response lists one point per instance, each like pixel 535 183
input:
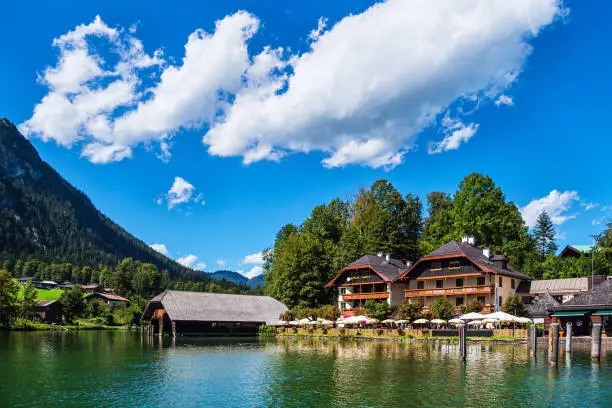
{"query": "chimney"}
pixel 471 241
pixel 379 254
pixel 388 257
pixel 464 239
pixel 486 252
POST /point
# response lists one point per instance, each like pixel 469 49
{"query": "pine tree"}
pixel 544 235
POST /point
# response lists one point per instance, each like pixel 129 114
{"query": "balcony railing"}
pixel 361 296
pixel 456 291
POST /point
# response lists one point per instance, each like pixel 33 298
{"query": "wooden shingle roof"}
pixel 216 307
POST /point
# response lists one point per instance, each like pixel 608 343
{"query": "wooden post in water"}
pixel 462 341
pixel 173 329
pixel 568 337
pixel 533 339
pixel 596 341
pixel 161 327
pixel 553 344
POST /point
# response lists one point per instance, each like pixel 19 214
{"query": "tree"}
pixel 410 311
pixel 442 309
pixel 475 306
pixel 544 235
pixel 74 303
pixel 9 290
pixel 514 306
pixel 27 307
pixel 378 309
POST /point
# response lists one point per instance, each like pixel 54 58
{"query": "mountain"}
pixel 43 216
pixel 235 277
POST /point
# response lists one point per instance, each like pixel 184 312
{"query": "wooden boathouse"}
pixel 210 314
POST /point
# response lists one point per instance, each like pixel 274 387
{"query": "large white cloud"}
pixel 191 261
pixel 161 248
pixel 376 79
pixel 251 273
pixel 556 204
pixel 361 93
pixel 181 192
pixel 256 258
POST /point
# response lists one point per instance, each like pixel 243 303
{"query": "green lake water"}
pixel 123 369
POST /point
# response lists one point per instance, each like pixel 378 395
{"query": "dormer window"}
pixel 454 265
pixel 436 266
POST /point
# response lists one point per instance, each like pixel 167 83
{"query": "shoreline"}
pixel 405 339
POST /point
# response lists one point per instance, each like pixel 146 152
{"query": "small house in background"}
pixel 49 311
pixel 47 284
pixel 109 298
pixel 562 290
pixel 65 285
pixel 575 251
pixel 539 308
pixel 92 287
pixel 25 279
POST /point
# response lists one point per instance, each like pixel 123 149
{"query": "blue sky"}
pixel 280 106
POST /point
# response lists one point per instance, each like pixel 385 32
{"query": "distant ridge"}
pixel 237 278
pixel 44 216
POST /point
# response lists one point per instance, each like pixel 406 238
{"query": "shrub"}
pixel 379 332
pixel 400 331
pixel 266 331
pixel 341 332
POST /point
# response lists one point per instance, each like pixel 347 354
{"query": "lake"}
pixel 125 369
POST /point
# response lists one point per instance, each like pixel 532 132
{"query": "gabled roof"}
pixel 216 307
pixel 387 270
pixel 541 305
pixel 456 248
pixel 600 297
pixel 109 296
pixel 45 303
pixel 575 250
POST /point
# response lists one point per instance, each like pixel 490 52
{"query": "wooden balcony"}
pixel 456 291
pixel 362 296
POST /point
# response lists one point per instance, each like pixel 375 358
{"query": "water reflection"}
pixel 128 369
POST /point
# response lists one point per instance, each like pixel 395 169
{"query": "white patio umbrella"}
pixel 489 320
pixel 295 323
pixel 472 316
pixel 389 321
pixel 324 322
pixel 438 321
pixel 501 316
pixel 355 320
pixel 421 321
pixel 372 321
pixel 456 321
pixel 402 321
pixel 281 323
pixel 474 323
pixel 523 320
pixel 311 323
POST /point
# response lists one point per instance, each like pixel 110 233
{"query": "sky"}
pixel 203 127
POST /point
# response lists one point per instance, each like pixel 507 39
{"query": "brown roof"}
pixel 110 296
pixel 45 303
pixel 474 254
pixel 541 306
pixel 387 270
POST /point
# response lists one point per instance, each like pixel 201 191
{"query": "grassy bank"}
pixel 80 324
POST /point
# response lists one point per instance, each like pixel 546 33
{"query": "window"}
pixel 454 265
pixel 512 284
pixel 343 291
pixel 480 281
pixel 439 283
pixel 343 306
pixel 420 284
pixel 459 282
pixel 500 301
pixel 501 282
pixel 459 301
pixel 481 299
pixel 436 266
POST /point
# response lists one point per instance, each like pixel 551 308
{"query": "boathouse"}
pixel 210 314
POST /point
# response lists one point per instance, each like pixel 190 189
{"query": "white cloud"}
pixel 556 204
pixel 598 221
pixel 256 258
pixel 456 133
pixel 191 261
pixel 220 262
pixel 504 100
pixel 374 80
pixel 181 192
pixel 588 206
pixel 361 93
pixel 161 248
pixel 251 273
